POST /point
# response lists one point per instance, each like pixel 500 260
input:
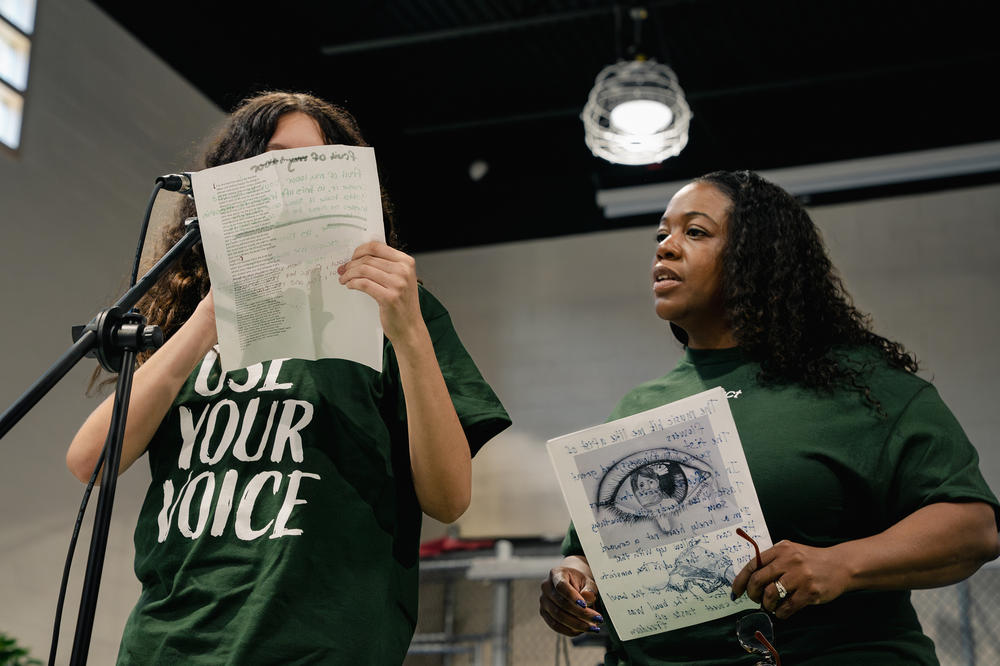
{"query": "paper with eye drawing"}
pixel 656 499
pixel 275 227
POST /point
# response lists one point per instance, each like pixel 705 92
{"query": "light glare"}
pixel 641 117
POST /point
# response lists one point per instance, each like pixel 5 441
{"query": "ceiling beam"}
pixel 457 33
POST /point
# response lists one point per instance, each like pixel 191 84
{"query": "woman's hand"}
pixel 568 595
pixel 390 277
pixel 205 310
pixel 938 544
pixel 808 575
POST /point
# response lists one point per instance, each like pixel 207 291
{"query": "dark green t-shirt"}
pixel 827 469
pixel 281 525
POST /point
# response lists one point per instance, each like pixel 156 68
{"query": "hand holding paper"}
pixel 388 276
pixel 568 594
pixel 206 308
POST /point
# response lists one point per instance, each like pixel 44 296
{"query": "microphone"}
pixel 177 182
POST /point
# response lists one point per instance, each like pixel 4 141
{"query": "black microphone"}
pixel 177 182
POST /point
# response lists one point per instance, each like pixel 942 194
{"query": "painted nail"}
pixel 598 618
pixel 594 629
pixel 732 595
pixel 581 603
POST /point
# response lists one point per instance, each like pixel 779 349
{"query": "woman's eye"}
pixel 661 236
pixel 696 232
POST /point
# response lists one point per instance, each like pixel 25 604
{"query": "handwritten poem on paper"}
pixel 656 499
pixel 275 228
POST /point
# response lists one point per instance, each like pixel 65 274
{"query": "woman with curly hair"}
pixel 868 485
pixel 283 519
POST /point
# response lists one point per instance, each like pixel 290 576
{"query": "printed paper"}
pixel 275 227
pixel 656 498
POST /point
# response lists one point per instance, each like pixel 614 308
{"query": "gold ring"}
pixel 782 592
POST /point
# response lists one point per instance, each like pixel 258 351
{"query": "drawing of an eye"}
pixel 655 483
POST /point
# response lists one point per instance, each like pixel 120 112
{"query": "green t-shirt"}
pixel 281 525
pixel 827 469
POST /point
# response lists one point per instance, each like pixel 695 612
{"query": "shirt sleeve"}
pixel 571 543
pixel 933 459
pixel 479 409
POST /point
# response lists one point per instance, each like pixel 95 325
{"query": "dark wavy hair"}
pixel 246 133
pixel 787 306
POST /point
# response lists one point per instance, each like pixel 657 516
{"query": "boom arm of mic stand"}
pixel 88 341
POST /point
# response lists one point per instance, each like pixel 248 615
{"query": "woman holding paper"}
pixel 868 484
pixel 283 518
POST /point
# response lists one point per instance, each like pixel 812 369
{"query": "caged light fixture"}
pixel 636 112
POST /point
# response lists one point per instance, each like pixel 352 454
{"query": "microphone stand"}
pixel 114 336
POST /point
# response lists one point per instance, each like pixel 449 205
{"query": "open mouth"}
pixel 665 276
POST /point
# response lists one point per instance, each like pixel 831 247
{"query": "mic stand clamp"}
pixel 116 332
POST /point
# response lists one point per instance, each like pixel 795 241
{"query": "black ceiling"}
pixel 439 84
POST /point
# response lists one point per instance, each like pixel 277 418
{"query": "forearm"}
pixel 440 459
pixel 936 545
pixel 439 452
pixel 154 387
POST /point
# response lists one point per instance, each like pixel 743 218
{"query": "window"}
pixel 20 13
pixel 11 108
pixel 17 22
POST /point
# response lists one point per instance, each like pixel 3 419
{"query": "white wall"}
pixel 103 119
pixel 928 269
pixel 561 327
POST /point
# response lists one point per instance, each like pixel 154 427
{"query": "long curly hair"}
pixel 785 302
pixel 246 133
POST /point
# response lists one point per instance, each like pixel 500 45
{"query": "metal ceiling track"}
pixel 481 29
pixel 830 177
pixel 457 33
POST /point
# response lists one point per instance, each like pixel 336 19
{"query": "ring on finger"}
pixel 782 592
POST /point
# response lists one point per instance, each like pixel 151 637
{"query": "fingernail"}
pixel 732 595
pixel 581 603
pixel 598 618
pixel 341 268
pixel 594 629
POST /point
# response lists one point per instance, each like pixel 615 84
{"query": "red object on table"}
pixel 449 544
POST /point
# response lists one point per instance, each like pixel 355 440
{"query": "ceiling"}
pixel 438 85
